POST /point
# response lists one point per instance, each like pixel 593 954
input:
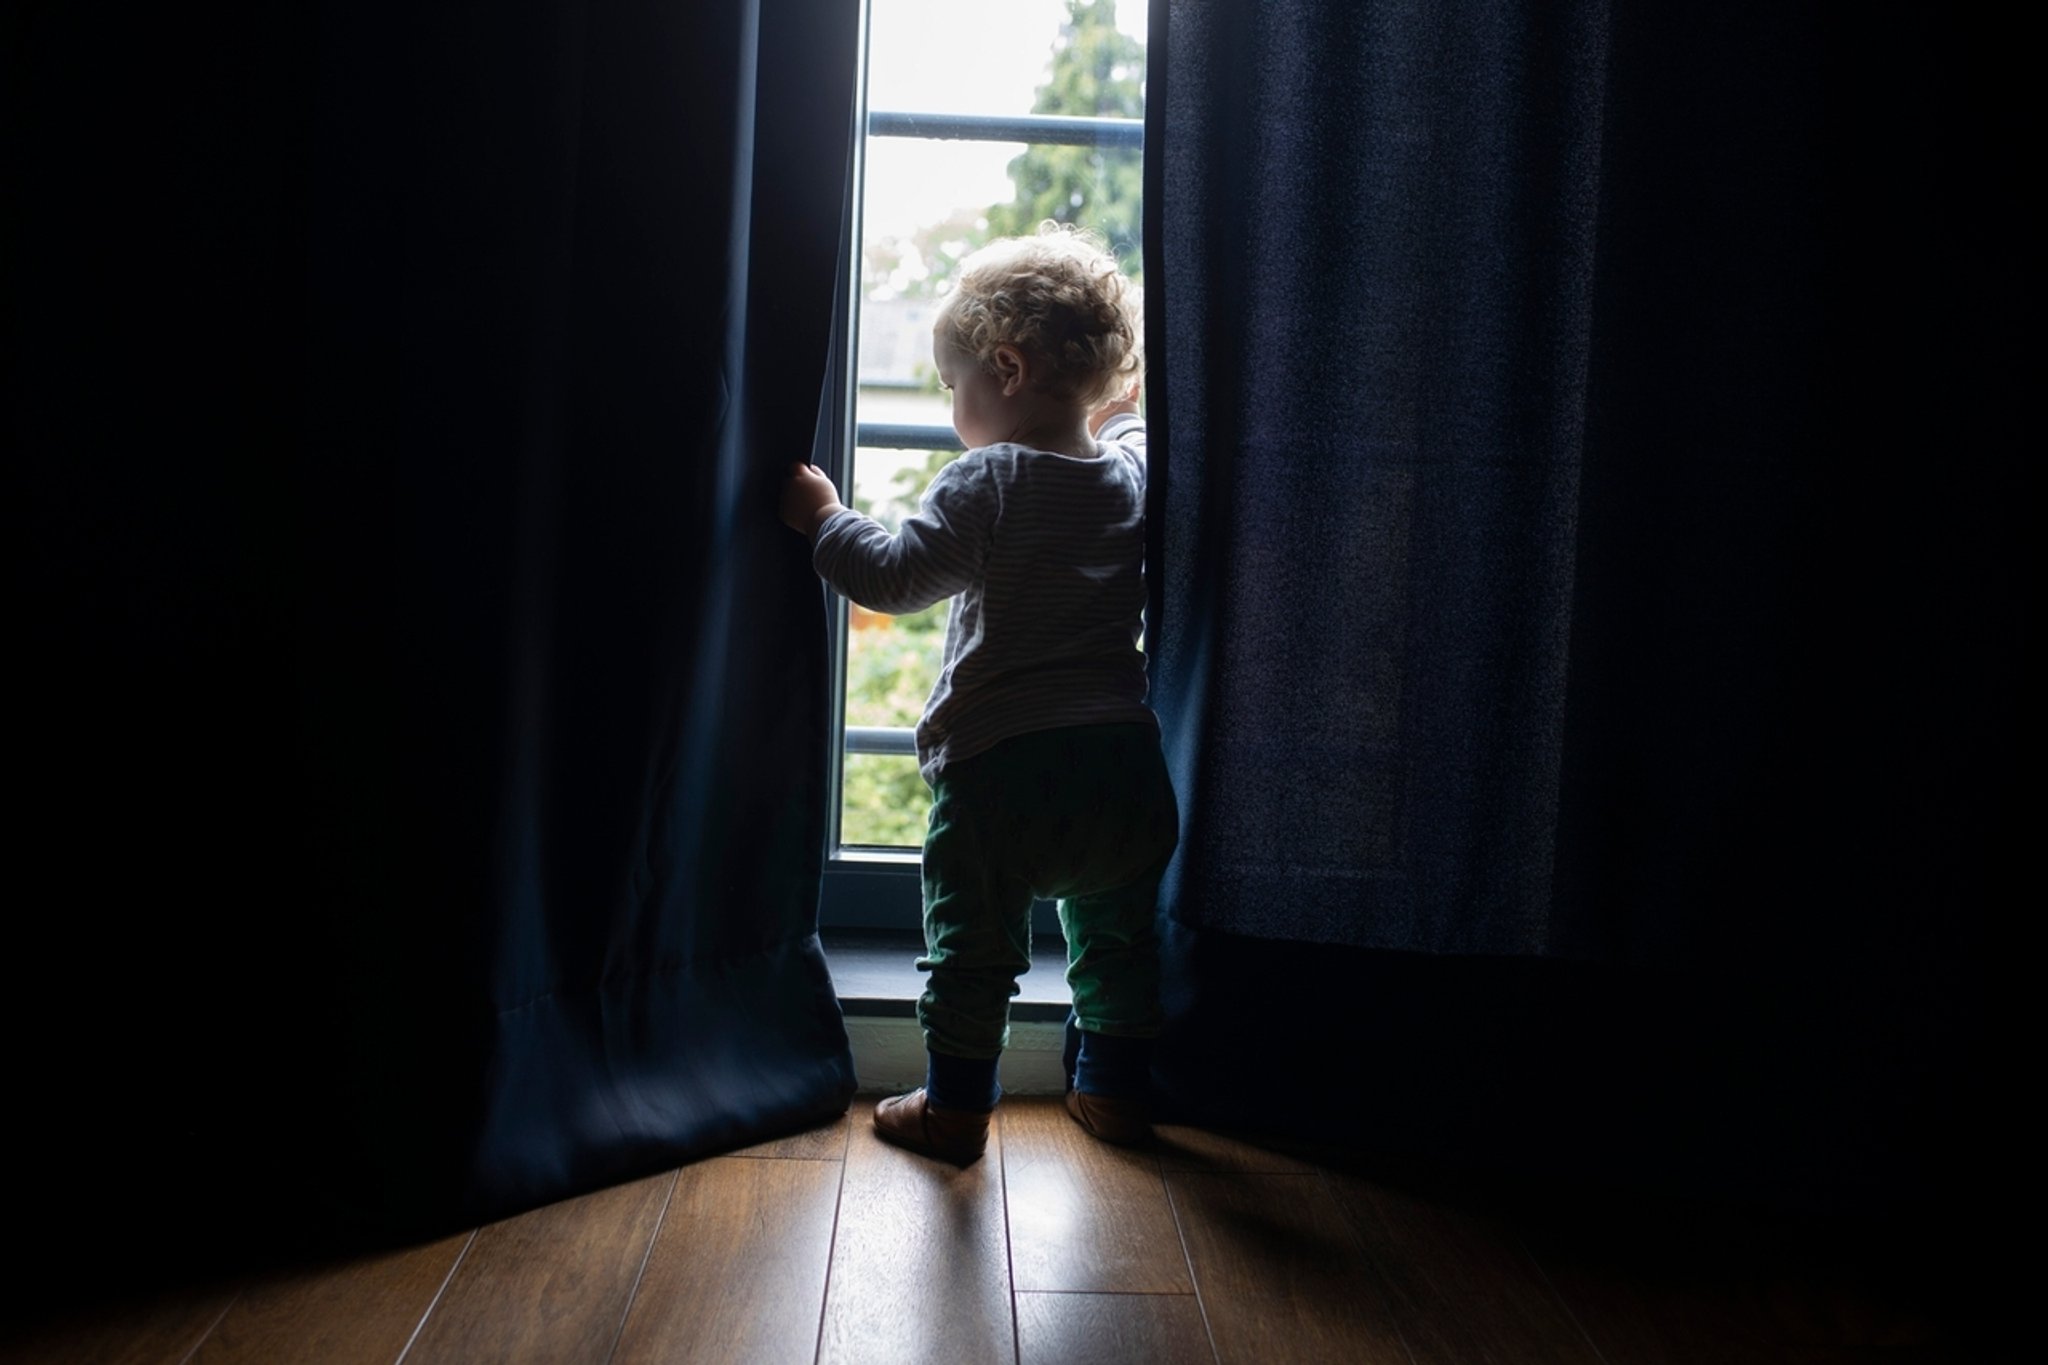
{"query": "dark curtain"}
pixel 424 715
pixel 1377 387
pixel 1589 582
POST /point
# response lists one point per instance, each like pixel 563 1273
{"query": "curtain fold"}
pixel 606 254
pixel 1378 243
pixel 407 391
pixel 1588 573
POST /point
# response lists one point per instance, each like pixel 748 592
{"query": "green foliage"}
pixel 937 249
pixel 884 801
pixel 889 672
pixel 1097 72
pixel 890 667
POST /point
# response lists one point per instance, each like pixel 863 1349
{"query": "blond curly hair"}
pixel 1057 297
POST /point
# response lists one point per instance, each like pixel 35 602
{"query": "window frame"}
pixel 867 887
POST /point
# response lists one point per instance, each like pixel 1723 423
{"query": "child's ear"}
pixel 1013 371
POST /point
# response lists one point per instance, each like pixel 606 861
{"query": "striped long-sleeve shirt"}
pixel 1043 556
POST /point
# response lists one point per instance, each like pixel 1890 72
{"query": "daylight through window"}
pixel 984 117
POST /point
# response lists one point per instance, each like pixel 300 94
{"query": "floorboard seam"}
pixel 1195 1284
pixel 646 1255
pixel 832 1242
pixel 435 1302
pixel 1382 1288
pixel 1009 1255
pixel 1559 1295
pixel 211 1327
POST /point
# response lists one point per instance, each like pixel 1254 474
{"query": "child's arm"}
pixel 1119 425
pixel 937 553
pixel 1125 406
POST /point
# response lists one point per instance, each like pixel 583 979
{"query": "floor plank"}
pixel 1181 1148
pixel 1930 1353
pixel 1459 1284
pixel 550 1285
pixel 1654 1317
pixel 1110 1329
pixel 158 1329
pixel 359 1312
pixel 1281 1276
pixel 919 1270
pixel 1682 1285
pixel 738 1269
pixel 826 1142
pixel 872 1253
pixel 1085 1216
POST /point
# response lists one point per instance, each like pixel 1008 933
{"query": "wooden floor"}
pixel 831 1246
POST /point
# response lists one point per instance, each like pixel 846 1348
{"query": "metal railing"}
pixel 905 436
pixel 1056 129
pixel 880 739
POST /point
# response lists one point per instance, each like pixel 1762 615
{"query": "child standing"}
pixel 1043 759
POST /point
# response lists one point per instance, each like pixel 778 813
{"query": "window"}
pixel 983 118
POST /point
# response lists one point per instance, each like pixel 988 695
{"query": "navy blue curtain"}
pixel 1377 406
pixel 426 711
pixel 1588 580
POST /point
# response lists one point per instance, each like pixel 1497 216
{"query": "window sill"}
pixel 875 975
pixel 869 892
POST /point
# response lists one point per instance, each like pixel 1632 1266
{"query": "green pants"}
pixel 1083 815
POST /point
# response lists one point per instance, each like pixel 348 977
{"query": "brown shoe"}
pixel 1118 1119
pixel 956 1135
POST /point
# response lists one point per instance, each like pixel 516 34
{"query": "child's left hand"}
pixel 1114 407
pixel 808 497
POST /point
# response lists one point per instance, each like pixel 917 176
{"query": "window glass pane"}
pixel 884 802
pixel 976 56
pixel 927 203
pixel 890 664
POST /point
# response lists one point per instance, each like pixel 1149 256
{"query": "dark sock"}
pixel 961 1082
pixel 1070 1047
pixel 1112 1065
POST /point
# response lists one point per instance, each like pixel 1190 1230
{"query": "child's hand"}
pixel 1115 407
pixel 808 497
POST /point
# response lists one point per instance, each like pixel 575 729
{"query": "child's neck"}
pixel 1058 427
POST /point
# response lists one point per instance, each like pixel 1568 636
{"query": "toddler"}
pixel 1043 759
